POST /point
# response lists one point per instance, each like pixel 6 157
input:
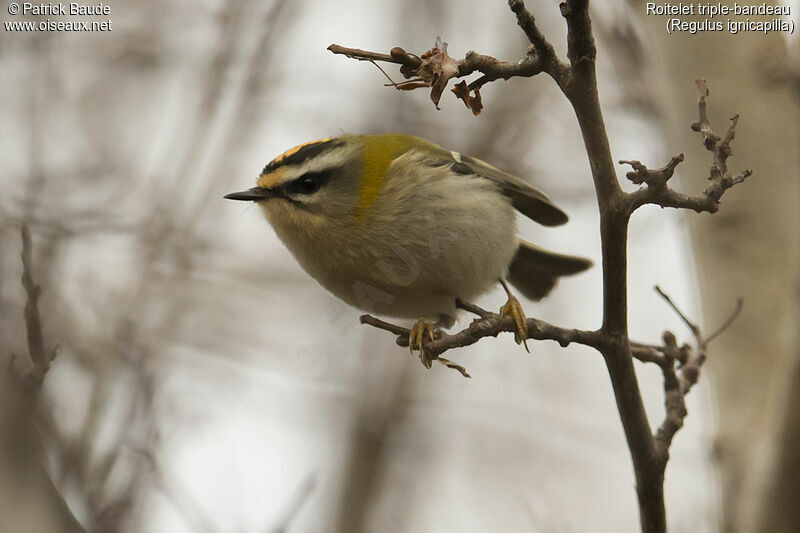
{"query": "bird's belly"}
pixel 417 270
pixel 409 281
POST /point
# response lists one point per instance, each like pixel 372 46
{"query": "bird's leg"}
pixel 421 331
pixel 513 309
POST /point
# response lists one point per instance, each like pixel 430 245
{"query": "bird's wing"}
pixel 525 198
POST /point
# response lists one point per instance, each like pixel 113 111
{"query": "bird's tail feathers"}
pixel 535 271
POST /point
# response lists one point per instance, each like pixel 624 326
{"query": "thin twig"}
pixel 381 324
pixel 652 178
pixel 391 81
pixel 474 309
pixel 678 384
pixel 648 353
pixel 730 320
pixel 657 192
pixel 366 55
pixel 691 325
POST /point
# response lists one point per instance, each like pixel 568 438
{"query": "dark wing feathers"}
pixel 525 198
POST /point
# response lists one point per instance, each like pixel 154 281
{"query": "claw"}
pixel 513 309
pixel 421 332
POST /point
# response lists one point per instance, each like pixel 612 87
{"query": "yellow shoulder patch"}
pixel 379 152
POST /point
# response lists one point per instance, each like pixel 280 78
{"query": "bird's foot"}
pixel 513 309
pixel 421 332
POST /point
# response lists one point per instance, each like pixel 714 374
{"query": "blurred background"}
pixel 204 383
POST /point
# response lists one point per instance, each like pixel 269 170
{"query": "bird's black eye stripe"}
pixel 308 183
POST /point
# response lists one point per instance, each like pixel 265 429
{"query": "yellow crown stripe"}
pixel 270 179
pixel 297 148
pixel 273 176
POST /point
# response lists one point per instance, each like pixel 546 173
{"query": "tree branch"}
pixel 581 50
pixel 435 68
pixel 21 426
pixel 397 55
pixel 40 358
pixel 720 179
pixel 578 82
pixel 678 383
pixel 487 325
pixel 540 46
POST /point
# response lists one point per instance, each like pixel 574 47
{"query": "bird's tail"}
pixel 535 271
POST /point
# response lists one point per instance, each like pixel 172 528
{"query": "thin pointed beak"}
pixel 255 194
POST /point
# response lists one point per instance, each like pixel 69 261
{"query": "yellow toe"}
pixel 421 332
pixel 513 309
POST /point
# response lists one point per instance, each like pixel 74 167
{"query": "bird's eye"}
pixel 308 184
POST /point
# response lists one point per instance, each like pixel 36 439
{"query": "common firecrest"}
pixel 398 226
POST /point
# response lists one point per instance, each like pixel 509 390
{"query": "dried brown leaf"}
pixel 473 103
pixel 437 69
pixel 455 366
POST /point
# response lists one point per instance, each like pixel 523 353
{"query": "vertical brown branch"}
pixel 33 322
pixel 581 90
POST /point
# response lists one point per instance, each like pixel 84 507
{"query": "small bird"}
pixel 396 225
